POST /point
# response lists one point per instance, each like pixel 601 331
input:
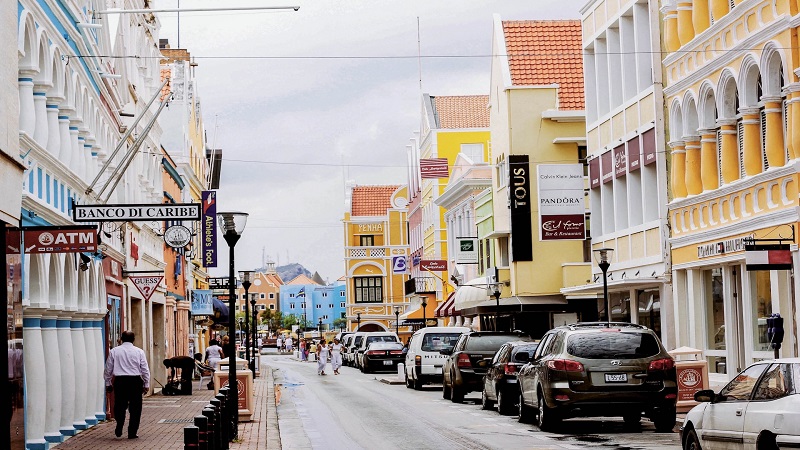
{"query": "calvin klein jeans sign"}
pixel 136 213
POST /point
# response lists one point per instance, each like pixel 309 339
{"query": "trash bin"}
pixel 692 375
pixel 244 382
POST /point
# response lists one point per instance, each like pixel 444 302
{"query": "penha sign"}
pixel 134 213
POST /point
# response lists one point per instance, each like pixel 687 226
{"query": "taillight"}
pixel 510 369
pixel 566 365
pixel 670 396
pixel 418 360
pixel 374 352
pixel 661 364
pixel 463 361
pixel 396 352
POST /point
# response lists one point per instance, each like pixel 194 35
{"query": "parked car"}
pixel 350 351
pixel 424 361
pixel 500 381
pixel 342 334
pixel 466 363
pixel 369 338
pixel 758 409
pixel 599 369
pixel 346 340
pixel 382 355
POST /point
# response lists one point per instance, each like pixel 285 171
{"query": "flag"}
pixel 433 168
pixel 302 292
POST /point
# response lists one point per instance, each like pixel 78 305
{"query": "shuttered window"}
pixel 762 114
pixel 719 156
pixel 740 140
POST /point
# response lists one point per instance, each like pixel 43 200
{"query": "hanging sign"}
pixel 466 250
pixel 561 202
pixel 434 265
pixel 56 239
pixel 433 168
pixel 519 196
pixel 399 265
pixel 219 283
pixel 136 213
pixel 177 236
pixel 202 302
pixel 209 227
pixel 146 285
pixel 768 257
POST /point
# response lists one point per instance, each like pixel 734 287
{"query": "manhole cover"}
pixel 177 420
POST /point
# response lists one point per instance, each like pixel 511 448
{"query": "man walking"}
pixel 127 367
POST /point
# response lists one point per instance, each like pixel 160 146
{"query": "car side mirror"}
pixel 522 357
pixel 446 351
pixel 706 395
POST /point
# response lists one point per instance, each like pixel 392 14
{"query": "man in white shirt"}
pixel 127 367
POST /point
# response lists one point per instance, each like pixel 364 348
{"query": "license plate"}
pixel 387 363
pixel 616 377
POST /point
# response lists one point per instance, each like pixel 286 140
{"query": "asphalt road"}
pixel 355 410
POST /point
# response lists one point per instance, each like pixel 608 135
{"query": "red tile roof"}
pixel 371 200
pixel 165 75
pixel 544 52
pixel 462 111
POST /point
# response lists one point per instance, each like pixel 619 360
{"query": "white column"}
pixel 79 362
pixel 99 350
pixel 66 357
pixel 65 144
pixel 93 372
pixel 52 369
pixel 27 110
pixel 77 146
pixel 35 381
pixel 40 132
pixel 53 128
pixel 82 156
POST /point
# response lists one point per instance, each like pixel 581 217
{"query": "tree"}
pixel 339 322
pixel 272 319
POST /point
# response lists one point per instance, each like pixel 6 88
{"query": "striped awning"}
pixel 441 310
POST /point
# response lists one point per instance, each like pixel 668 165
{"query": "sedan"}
pixel 382 356
pixel 500 381
pixel 758 409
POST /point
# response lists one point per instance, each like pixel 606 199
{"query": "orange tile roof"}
pixel 461 111
pixel 371 200
pixel 165 75
pixel 544 52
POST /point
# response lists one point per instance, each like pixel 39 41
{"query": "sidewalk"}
pixel 164 417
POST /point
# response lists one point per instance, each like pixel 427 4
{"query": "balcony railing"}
pixel 367 252
pixel 420 285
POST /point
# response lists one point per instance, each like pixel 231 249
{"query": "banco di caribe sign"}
pixel 136 212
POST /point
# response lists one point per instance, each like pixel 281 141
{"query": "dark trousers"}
pixel 128 395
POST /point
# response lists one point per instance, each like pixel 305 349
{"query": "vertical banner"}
pixel 649 146
pixel 620 161
pixel 634 154
pixel 519 191
pixel 561 202
pixel 209 227
pixel 594 172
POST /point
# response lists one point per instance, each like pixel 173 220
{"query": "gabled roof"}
pixel 371 200
pixel 542 52
pixel 461 111
pixel 301 279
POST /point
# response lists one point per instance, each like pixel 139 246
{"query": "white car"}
pixel 759 409
pixel 423 361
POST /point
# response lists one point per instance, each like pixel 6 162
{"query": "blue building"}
pixel 314 302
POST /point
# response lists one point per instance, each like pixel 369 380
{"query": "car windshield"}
pixel 489 342
pixel 371 339
pixel 385 346
pixel 434 342
pixel 612 344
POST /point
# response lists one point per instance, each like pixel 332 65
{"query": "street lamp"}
pixel 232 225
pixel 424 312
pixel 247 281
pixel 496 296
pixel 319 327
pixel 255 316
pixel 397 321
pixel 601 256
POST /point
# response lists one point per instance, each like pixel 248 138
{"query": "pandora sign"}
pixel 561 202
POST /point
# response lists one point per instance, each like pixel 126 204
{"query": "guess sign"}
pixel 146 285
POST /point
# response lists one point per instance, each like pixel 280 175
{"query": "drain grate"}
pixel 177 420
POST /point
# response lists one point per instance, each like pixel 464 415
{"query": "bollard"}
pixel 222 422
pixel 212 434
pixel 401 371
pixel 191 438
pixel 217 421
pixel 201 422
pixel 224 418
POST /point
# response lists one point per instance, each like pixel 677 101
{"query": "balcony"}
pixel 420 285
pixel 366 252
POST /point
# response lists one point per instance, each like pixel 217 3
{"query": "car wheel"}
pixel 486 404
pixel 691 442
pixel 446 391
pixel 766 441
pixel 665 419
pixel 456 395
pixel 548 417
pixel 365 368
pixel 632 419
pixel 417 384
pixel 525 415
pixel 408 381
pixel 504 402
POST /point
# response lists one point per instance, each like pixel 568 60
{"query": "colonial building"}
pixel 627 164
pixel 376 257
pixel 731 93
pixel 264 289
pixel 313 304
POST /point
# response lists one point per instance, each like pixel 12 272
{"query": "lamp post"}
pixel 601 255
pixel 397 321
pixel 424 312
pixel 319 327
pixel 232 225
pixel 496 296
pixel 254 333
pixel 358 320
pixel 247 281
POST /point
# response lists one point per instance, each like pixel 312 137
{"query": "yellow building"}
pixel 733 108
pixel 376 254
pixel 627 165
pixel 451 127
pixel 536 118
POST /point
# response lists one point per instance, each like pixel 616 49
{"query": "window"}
pixel 262 296
pixel 502 173
pixel 261 307
pixel 762 308
pixel 341 294
pixel 344 315
pixel 291 305
pixel 303 305
pixel 740 387
pixel 271 306
pixel 319 306
pixel 367 241
pixel 291 295
pixel 473 152
pixel 613 345
pixel 777 382
pixel 330 305
pixel 324 294
pixel 433 342
pixel 368 289
pixel 341 305
pixel 271 296
pixel 715 318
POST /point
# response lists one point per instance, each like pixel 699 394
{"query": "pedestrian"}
pixel 323 353
pixel 228 348
pixel 336 356
pixel 289 344
pixel 308 344
pixel 214 354
pixel 128 377
pixel 313 350
pixel 302 347
pixel 279 343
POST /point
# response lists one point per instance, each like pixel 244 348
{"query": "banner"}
pixel 467 250
pixel 433 168
pixel 649 146
pixel 561 202
pixel 202 302
pixel 399 265
pixel 634 151
pixel 209 227
pixel 146 285
pixel 519 190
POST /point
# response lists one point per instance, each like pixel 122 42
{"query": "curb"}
pixel 273 429
pixel 392 381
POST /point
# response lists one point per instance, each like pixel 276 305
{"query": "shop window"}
pixel 620 306
pixel 715 318
pixel 762 308
pixel 650 310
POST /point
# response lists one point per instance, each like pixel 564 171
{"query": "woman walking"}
pixel 302 347
pixel 323 352
pixel 336 356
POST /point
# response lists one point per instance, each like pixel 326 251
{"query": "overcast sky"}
pixel 302 101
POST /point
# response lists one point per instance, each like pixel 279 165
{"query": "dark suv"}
pixel 599 369
pixel 500 381
pixel 467 362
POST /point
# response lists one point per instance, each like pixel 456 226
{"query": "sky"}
pixel 301 103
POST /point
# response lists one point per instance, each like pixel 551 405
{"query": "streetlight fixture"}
pixel 601 256
pixel 424 312
pixel 397 321
pixel 247 281
pixel 496 296
pixel 232 225
pixel 254 333
pixel 319 327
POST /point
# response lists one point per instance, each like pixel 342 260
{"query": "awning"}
pixel 518 303
pixel 441 310
pixel 451 310
pixel 594 290
pixel 430 311
pixel 471 293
